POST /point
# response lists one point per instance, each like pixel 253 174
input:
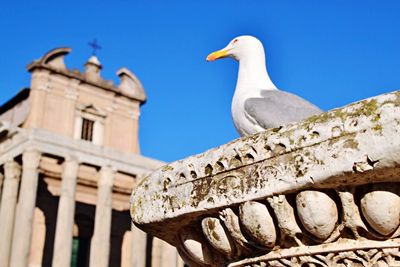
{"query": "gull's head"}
pixel 239 48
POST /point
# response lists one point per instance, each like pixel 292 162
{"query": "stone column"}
pixel 65 215
pixel 100 245
pixel 163 254
pixel 26 204
pixel 1 183
pixel 138 251
pixel 180 262
pixel 12 171
pixel 169 255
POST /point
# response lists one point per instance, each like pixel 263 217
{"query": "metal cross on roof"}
pixel 95 46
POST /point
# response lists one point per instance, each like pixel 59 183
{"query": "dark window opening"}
pixel 87 130
pixel 80 252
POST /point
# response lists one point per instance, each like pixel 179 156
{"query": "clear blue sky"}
pixel 330 52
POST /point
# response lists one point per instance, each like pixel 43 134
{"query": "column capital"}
pixel 71 157
pixel 31 158
pixel 71 163
pixel 12 170
pixel 106 176
pixel 71 169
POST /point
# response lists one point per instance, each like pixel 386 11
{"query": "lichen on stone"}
pixel 350 143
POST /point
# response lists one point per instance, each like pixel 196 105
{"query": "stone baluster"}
pixel 12 171
pixel 100 245
pixel 65 215
pixel 21 243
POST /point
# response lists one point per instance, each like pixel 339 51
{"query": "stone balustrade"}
pixel 322 192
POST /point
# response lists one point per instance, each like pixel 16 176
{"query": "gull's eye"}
pixel 235 41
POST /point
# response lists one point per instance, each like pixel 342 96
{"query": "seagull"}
pixel 257 103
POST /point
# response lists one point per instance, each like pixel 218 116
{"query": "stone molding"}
pixel 323 192
pixel 51 143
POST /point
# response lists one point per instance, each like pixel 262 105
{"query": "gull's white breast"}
pixel 242 123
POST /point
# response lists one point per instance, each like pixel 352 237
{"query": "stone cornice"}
pixel 337 162
pixel 86 152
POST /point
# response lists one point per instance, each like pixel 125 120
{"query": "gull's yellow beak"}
pixel 218 54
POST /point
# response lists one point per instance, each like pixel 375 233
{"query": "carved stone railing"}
pixel 323 192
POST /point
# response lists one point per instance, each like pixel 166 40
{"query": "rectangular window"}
pixel 87 129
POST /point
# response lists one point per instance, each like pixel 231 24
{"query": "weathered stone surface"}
pixel 317 212
pixel 195 247
pixel 217 236
pixel 258 223
pixel 334 164
pixel 381 208
pixel 341 254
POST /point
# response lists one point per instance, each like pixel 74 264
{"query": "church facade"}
pixel 70 157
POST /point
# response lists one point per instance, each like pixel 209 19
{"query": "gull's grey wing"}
pixel 276 108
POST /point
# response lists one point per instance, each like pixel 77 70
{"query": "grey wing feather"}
pixel 277 108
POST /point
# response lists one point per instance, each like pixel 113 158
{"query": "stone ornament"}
pixel 323 192
pixel 257 222
pixel 381 209
pixel 317 212
pixel 319 225
pixel 217 236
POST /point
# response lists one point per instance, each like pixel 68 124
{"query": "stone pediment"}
pixel 92 109
pixel 322 192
